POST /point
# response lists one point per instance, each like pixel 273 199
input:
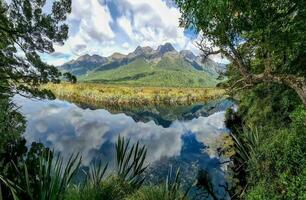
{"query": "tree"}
pixel 25 31
pixel 264 40
pixel 70 78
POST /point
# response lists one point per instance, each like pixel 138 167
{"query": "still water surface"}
pixel 184 137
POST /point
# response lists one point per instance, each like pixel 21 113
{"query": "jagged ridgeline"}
pixel 147 67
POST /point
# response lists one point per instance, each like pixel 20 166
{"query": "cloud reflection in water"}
pixel 67 128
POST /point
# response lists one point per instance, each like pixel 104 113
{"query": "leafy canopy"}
pixel 26 30
pixel 264 40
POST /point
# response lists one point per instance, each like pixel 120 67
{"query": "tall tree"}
pixel 25 31
pixel 265 40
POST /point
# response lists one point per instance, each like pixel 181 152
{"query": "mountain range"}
pixel 145 66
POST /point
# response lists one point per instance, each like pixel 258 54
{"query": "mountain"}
pixel 147 67
pixel 84 64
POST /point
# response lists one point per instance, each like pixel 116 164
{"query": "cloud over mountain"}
pixel 106 26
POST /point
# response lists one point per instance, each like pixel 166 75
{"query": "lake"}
pixel 185 137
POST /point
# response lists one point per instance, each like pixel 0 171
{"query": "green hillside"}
pixel 169 71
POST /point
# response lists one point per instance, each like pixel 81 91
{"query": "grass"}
pixel 99 94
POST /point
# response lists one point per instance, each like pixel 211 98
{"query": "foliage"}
pixel 246 145
pixel 272 102
pixel 49 180
pixel 69 77
pixel 25 31
pixel 41 176
pixel 130 162
pixel 173 188
pixel 270 156
pixel 110 188
pixel 127 179
pixel 96 174
pixel 280 163
pixel 11 124
pixel 264 40
pixel 170 190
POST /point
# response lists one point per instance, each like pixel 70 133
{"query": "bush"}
pixel 275 168
pixel 150 193
pixel 112 188
pixel 280 163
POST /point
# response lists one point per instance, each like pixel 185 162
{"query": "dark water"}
pixel 184 137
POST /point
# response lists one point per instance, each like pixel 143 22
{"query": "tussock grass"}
pixel 96 94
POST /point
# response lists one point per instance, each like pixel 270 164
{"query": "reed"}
pixel 120 95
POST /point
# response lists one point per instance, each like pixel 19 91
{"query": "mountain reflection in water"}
pixel 182 142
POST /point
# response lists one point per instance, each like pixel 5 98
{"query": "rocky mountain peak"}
pixel 142 50
pixel 188 54
pixel 138 51
pixel 167 47
pixel 83 57
pixel 117 56
pixel 94 58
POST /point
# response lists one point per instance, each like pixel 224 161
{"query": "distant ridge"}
pixel 145 64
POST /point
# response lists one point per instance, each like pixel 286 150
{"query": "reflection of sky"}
pixel 66 128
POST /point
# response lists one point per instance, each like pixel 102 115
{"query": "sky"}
pixel 103 27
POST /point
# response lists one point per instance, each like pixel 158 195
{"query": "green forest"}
pixel 265 43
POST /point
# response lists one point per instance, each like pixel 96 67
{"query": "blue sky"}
pixel 106 26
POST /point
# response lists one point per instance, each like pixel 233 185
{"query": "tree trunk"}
pixel 302 94
pixel 298 84
pixel 0 192
pixel 292 81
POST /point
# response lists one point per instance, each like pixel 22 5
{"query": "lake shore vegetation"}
pixel 52 177
pixel 127 95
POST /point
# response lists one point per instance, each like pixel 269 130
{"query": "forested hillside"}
pixel 147 67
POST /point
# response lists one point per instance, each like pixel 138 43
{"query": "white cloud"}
pixel 125 45
pixel 90 28
pixel 153 23
pixel 94 20
pixel 98 28
pixel 125 24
